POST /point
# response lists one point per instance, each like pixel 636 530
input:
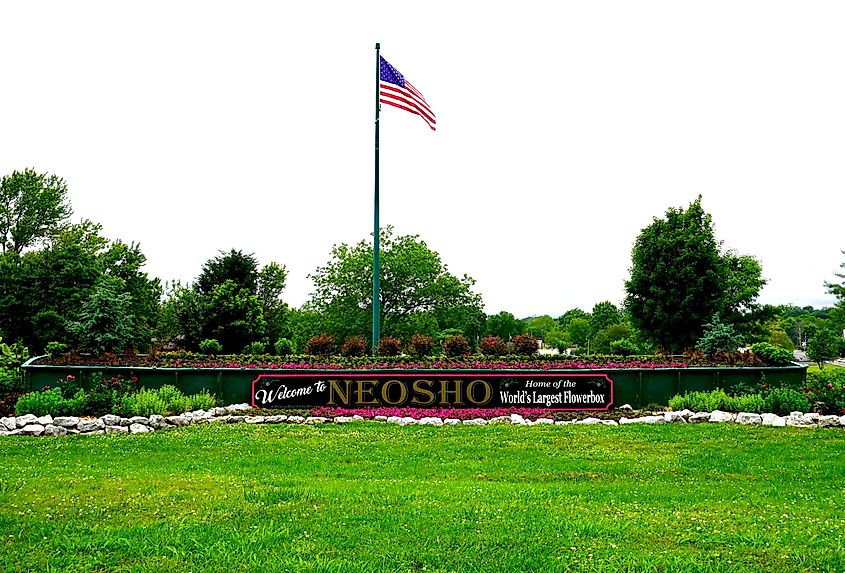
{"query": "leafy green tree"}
pixel 235 266
pixel 413 280
pixel 679 279
pixel 578 331
pixel 838 289
pixel 540 326
pixel 32 208
pixel 823 346
pixel 567 316
pixel 106 322
pixel 233 316
pixel 604 314
pixel 504 325
pixel 272 279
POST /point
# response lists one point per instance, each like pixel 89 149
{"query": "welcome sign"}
pixel 461 389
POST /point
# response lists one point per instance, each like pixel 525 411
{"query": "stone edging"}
pixel 30 425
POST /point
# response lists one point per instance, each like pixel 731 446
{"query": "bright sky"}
pixel 563 128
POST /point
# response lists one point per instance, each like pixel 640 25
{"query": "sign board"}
pixel 446 389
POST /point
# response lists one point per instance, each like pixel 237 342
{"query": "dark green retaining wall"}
pixel 635 386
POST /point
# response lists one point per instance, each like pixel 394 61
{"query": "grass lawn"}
pixel 370 497
pixel 813 367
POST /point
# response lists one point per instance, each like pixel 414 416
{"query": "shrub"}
pixel 354 346
pixel 256 347
pixel 524 344
pixel 283 347
pixel 823 346
pixel 49 402
pixel 456 345
pixel 624 347
pixel 389 346
pixel 165 401
pixel 322 345
pixel 772 354
pixel 55 348
pixel 717 400
pixel 10 380
pixel 493 346
pixel 826 390
pixel 211 346
pixel 782 401
pixel 421 345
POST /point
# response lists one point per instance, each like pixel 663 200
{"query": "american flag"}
pixel 395 90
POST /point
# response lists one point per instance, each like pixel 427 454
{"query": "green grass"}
pixel 371 497
pixel 813 367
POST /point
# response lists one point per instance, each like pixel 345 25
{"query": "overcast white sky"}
pixel 563 128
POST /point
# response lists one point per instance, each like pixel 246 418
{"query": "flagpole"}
pixel 376 266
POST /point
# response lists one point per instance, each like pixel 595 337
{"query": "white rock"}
pixel 275 419
pixel 66 421
pixel 110 420
pixel 517 419
pixel 643 420
pixel 342 419
pixel 801 420
pixel 177 421
pixel 295 419
pixel 451 422
pixel 773 420
pixel 475 422
pixel 562 423
pixel 610 422
pixel 842 420
pixel 748 418
pixel 88 426
pixel 139 420
pixel 218 411
pixel 358 418
pixel 500 420
pixel 255 419
pixel 430 421
pixel 52 430
pixel 25 420
pixel 677 417
pixel 625 408
pixel 717 416
pixel 157 422
pixel 8 424
pixel 45 420
pixel 589 421
pixel 238 407
pixel 313 420
pixel 380 419
pixel 125 422
pixel 394 419
pixel 699 417
pixel 117 430
pixel 828 421
pixel 543 421
pixel 32 430
pixel 139 429
pixel 239 419
pixel 408 421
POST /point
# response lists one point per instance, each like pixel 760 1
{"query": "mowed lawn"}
pixel 371 497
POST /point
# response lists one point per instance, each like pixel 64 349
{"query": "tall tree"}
pixel 504 325
pixel 33 206
pixel 414 279
pixel 676 278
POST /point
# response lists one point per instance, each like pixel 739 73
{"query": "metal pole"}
pixel 376 266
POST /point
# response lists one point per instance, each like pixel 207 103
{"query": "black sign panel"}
pixel 456 389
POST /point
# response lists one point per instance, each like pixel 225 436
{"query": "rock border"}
pixel 30 425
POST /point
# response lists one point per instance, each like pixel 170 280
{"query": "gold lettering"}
pixel 335 387
pixel 385 393
pixel 488 392
pixel 425 391
pixel 444 392
pixel 365 389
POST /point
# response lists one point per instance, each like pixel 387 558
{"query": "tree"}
pixel 679 279
pixel 578 331
pixel 504 325
pixel 413 280
pixel 106 323
pixel 567 316
pixel 540 326
pixel 32 208
pixel 823 346
pixel 604 314
pixel 718 336
pixel 233 266
pixel 838 289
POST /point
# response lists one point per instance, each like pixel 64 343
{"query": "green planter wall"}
pixel 635 386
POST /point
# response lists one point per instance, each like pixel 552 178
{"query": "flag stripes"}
pixel 396 91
